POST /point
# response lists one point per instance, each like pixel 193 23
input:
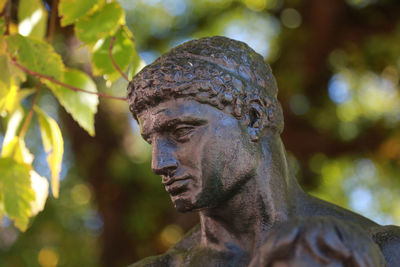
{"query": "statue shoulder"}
pixel 388 239
pixel 174 256
pixel 154 261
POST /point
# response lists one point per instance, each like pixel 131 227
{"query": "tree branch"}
pixel 51 79
pixel 6 14
pixel 113 61
pixel 28 118
pixel 52 24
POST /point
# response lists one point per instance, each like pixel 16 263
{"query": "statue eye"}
pixel 181 132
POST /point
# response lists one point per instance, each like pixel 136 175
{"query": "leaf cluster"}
pixel 27 57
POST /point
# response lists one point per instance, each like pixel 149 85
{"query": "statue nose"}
pixel 163 160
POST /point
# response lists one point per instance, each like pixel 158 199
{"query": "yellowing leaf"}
pixel 71 10
pixel 32 17
pixel 82 106
pixel 40 186
pixel 102 23
pixel 9 101
pixel 53 145
pixel 36 55
pixel 16 191
pixel 123 52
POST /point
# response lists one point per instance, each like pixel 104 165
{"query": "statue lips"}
pixel 176 185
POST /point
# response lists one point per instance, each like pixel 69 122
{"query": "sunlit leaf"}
pixel 53 145
pixel 16 191
pixel 82 106
pixel 100 24
pixel 123 52
pixel 16 149
pixel 71 10
pixel 8 102
pixel 32 17
pixel 13 124
pixel 36 55
pixel 40 186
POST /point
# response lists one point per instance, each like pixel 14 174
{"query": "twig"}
pixel 51 79
pixel 113 61
pixel 6 14
pixel 52 24
pixel 28 118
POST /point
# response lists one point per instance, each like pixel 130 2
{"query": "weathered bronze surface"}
pixel 209 108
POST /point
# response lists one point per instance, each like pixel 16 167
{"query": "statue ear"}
pixel 255 116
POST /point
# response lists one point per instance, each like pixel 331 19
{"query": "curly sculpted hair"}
pixel 214 70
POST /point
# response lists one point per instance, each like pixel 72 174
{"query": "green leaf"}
pixel 123 52
pixel 2 26
pixel 16 150
pixel 36 55
pixel 5 75
pixel 16 191
pixel 32 17
pixel 53 144
pixel 71 10
pixel 8 70
pixel 102 23
pixel 82 106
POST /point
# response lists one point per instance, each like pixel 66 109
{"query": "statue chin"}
pixel 182 205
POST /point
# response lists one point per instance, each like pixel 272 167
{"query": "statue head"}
pixel 204 106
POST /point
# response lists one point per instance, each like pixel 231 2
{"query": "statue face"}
pixel 203 154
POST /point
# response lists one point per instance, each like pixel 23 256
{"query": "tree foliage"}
pixel 29 58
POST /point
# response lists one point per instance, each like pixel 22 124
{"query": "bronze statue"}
pixel 209 108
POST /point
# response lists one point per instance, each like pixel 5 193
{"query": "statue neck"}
pixel 266 199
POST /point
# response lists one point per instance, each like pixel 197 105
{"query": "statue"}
pixel 209 109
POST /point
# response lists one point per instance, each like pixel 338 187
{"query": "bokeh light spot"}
pixel 338 89
pixel 348 112
pixel 171 234
pixel 348 130
pixel 257 31
pixel 360 3
pixel 361 199
pixel 256 5
pixel 47 257
pixel 299 104
pixel 81 194
pixel 291 18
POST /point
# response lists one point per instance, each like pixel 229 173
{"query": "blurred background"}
pixel 337 63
